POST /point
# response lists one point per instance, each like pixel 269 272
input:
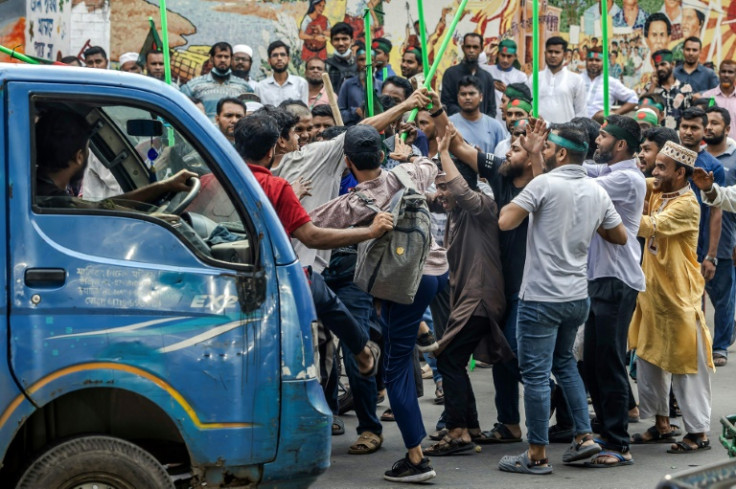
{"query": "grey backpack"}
pixel 391 267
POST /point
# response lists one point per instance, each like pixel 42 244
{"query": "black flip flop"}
pixel 449 446
pixel 499 434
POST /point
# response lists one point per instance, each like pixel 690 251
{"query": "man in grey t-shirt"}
pixel 565 210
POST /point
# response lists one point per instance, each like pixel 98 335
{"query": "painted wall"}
pixel 196 24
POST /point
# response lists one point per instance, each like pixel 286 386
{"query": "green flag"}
pixel 152 42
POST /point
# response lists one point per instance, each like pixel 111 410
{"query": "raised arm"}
pixel 416 100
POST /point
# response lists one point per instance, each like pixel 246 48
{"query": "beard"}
pixel 602 156
pixel 220 72
pixel 471 62
pixel 278 70
pixel 314 81
pixel 663 77
pixel 715 139
pixel 509 170
pixel 244 74
pixel 549 164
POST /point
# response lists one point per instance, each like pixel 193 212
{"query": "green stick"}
pixel 535 59
pixel 165 41
pixel 423 38
pixel 438 58
pixel 604 31
pixel 19 56
pixel 368 63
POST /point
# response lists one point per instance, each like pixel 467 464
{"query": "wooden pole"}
pixel 333 100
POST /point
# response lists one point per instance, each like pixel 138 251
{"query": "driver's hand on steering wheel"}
pixel 178 182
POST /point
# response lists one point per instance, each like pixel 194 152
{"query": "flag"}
pixel 152 42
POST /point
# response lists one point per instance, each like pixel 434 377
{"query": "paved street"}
pixel 479 470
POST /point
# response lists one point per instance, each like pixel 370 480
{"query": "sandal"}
pixel 376 354
pixel 338 426
pixel 719 360
pixel 522 464
pixel 449 446
pixel 578 450
pixel 681 447
pixel 439 434
pixel 620 460
pixel 388 415
pixel 499 434
pixel 655 436
pixel 367 442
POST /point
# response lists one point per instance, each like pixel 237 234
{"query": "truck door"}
pixel 178 306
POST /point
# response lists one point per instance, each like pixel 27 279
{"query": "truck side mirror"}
pixel 149 128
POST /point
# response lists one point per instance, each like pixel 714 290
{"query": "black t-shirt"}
pixel 513 243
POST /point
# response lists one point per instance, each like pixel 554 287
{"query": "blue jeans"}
pixel 721 292
pixel 363 388
pixel 545 333
pixel 400 327
pixel 506 376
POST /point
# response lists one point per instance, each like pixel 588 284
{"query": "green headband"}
pixel 518 103
pixel 648 101
pixel 647 115
pixel 566 143
pixel 513 93
pixel 668 57
pixel 507 46
pixel 620 133
pixel 594 55
pixel 415 52
pixel 383 46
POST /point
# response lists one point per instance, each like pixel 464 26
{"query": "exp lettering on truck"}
pixel 149 344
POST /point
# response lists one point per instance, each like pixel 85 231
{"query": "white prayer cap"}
pixel 243 48
pixel 252 106
pixel 124 58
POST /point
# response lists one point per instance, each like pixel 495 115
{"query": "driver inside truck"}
pixel 62 151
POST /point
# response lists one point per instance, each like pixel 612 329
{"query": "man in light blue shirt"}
pixel 479 129
pixel 615 279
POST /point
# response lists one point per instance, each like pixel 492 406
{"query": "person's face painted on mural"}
pixel 657 38
pixel 690 23
pixel 279 60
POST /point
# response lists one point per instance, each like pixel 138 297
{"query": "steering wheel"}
pixel 191 195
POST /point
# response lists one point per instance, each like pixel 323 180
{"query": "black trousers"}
pixel 612 304
pixel 460 408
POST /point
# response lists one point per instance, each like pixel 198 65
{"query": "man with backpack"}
pixel 403 186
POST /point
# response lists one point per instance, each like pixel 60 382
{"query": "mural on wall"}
pixel 47 28
pixel 12 25
pixel 637 27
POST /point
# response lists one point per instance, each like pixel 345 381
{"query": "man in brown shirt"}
pixel 476 295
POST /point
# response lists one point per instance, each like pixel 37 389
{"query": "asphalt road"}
pixel 480 470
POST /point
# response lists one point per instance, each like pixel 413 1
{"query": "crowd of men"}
pixel 570 228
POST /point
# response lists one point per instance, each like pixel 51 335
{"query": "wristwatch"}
pixel 712 259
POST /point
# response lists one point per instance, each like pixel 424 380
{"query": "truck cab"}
pixel 157 343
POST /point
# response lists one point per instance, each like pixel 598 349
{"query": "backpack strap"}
pixel 370 203
pixel 404 178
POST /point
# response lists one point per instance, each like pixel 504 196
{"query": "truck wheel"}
pixel 99 462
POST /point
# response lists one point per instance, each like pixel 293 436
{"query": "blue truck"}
pixel 147 344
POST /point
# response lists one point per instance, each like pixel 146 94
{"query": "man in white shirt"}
pixel 504 72
pixel 562 92
pixel 281 85
pixel 594 88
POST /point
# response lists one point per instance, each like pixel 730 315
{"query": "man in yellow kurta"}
pixel 668 328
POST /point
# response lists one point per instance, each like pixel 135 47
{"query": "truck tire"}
pixel 95 460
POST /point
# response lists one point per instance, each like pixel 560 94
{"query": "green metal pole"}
pixel 19 56
pixel 438 58
pixel 423 38
pixel 368 63
pixel 165 41
pixel 535 59
pixel 604 31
